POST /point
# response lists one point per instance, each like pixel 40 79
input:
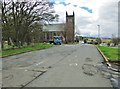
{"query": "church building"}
pixel 65 30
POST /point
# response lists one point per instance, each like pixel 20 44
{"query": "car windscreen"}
pixel 57 37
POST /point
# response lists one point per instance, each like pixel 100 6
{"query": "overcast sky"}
pixel 89 14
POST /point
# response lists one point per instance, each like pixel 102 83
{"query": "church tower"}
pixel 70 27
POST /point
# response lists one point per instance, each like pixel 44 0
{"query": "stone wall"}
pixel 69 28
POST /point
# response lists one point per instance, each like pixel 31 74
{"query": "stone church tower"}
pixel 70 27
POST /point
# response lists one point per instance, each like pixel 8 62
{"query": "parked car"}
pixel 56 40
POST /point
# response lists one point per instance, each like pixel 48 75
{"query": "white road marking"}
pixel 32 65
pixel 39 63
pixel 73 64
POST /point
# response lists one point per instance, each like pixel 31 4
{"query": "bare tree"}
pixel 115 40
pixel 18 19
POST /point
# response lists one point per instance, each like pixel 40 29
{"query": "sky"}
pixel 89 14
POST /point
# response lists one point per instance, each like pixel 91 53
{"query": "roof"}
pixel 54 27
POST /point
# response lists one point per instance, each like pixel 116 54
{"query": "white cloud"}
pixel 105 13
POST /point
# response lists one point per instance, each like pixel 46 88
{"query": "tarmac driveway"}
pixel 76 65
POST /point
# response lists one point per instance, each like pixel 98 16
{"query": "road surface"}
pixel 77 65
pixel 0 72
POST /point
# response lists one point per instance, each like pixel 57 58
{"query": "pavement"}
pixel 78 65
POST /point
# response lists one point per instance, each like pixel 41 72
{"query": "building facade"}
pixel 65 30
pixel 53 30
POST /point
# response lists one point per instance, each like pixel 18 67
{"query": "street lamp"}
pixel 98 34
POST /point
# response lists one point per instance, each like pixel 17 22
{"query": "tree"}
pixel 36 32
pixel 98 40
pixel 0 23
pixel 19 18
pixel 115 40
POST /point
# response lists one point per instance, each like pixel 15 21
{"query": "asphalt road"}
pixel 0 72
pixel 76 65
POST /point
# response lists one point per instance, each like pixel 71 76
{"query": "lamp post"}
pixel 98 34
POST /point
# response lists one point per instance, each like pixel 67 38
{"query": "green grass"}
pixel 36 46
pixel 111 53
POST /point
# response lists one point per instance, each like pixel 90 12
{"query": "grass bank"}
pixel 111 53
pixel 32 47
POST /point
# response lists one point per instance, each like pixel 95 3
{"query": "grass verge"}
pixel 111 53
pixel 36 46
